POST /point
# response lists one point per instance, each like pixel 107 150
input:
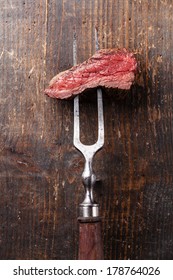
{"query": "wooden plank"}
pixel 41 170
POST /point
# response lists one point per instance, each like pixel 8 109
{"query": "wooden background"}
pixel 40 170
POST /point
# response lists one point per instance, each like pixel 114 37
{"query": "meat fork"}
pixel 90 242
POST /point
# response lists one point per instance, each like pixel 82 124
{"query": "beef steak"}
pixel 108 67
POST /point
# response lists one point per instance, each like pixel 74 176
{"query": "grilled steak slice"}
pixel 108 67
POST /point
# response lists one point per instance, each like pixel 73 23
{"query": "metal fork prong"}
pixel 74 49
pixel 97 46
pixel 76 133
pixel 100 117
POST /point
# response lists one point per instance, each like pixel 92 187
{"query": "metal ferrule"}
pixel 89 211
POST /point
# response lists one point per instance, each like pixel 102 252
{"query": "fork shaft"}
pixel 88 208
pixel 89 179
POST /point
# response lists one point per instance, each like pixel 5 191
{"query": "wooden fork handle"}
pixel 90 241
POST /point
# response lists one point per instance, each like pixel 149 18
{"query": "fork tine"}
pixel 76 134
pixel 100 117
pixel 74 49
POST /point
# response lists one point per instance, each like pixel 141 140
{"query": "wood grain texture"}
pixel 90 241
pixel 40 170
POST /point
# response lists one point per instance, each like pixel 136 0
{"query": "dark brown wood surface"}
pixel 40 170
